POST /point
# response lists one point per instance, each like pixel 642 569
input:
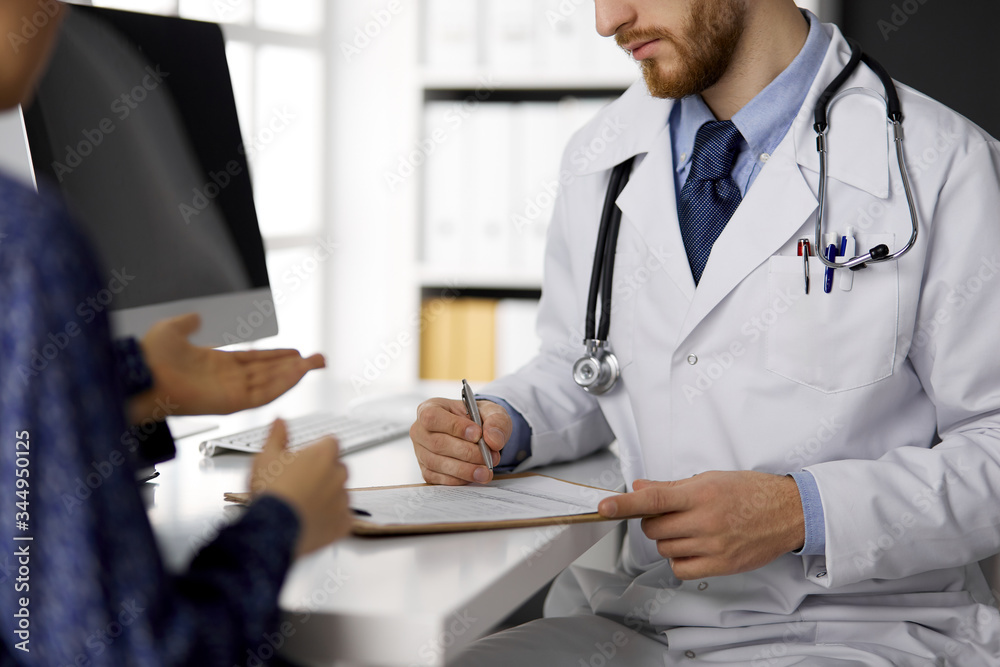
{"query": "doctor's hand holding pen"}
pixel 716 523
pixel 445 440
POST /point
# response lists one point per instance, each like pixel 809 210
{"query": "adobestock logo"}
pixel 901 13
pixel 122 107
pixel 58 340
pixel 30 25
pixel 203 196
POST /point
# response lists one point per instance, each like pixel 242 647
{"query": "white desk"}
pixel 379 601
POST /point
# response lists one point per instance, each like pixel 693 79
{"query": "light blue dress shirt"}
pixel 763 122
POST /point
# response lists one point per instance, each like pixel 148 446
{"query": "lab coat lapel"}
pixel 649 204
pixel 858 136
pixel 777 205
pixel 781 201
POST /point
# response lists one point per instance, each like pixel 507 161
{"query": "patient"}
pixel 97 590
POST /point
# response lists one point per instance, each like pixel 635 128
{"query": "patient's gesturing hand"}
pixel 311 480
pixel 193 380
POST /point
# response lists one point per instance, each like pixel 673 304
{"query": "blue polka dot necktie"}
pixel 709 196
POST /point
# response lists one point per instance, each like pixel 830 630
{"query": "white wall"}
pixel 374 116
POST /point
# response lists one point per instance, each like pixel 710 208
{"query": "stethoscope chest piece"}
pixel 597 371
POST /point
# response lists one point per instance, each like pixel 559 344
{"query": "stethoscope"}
pixel 598 370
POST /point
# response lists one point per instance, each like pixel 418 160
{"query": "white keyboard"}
pixel 353 433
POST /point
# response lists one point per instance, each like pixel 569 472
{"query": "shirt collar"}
pixel 687 116
pixel 765 120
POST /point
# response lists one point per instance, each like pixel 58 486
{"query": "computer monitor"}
pixel 135 124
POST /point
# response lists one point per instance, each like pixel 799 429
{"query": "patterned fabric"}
pixel 132 370
pixel 709 197
pixel 97 589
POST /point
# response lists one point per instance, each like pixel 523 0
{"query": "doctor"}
pixel 820 473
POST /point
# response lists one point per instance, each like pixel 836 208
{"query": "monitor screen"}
pixel 135 124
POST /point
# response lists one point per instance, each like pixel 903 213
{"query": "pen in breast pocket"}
pixel 805 249
pixel 831 256
pixel 469 397
pixel 848 248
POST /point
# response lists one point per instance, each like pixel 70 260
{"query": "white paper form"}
pixel 533 497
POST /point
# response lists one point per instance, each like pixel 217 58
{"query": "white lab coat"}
pixel 889 393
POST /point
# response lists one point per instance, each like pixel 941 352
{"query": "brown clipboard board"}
pixel 363 528
pixel 367 529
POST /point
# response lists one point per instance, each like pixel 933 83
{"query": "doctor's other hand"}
pixel 311 481
pixel 193 380
pixel 446 441
pixel 716 523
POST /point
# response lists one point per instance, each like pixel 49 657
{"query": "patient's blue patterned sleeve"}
pixel 98 591
pixel 131 369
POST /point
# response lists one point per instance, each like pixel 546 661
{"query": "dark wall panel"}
pixel 948 49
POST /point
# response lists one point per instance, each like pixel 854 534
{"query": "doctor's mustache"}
pixel 704 53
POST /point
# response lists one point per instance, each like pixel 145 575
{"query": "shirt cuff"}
pixel 130 366
pixel 518 446
pixel 278 520
pixel 812 510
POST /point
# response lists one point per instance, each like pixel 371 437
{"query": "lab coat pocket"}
pixel 838 341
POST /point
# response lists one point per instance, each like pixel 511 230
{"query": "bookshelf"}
pixel 433 54
pixel 503 86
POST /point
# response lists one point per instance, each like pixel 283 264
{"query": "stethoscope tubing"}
pixel 602 272
pixel 894 116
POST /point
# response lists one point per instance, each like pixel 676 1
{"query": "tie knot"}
pixel 715 148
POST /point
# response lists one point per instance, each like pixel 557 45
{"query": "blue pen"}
pixel 831 256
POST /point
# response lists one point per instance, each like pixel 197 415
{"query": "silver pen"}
pixel 469 397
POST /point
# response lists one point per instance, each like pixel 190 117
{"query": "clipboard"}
pixel 363 528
